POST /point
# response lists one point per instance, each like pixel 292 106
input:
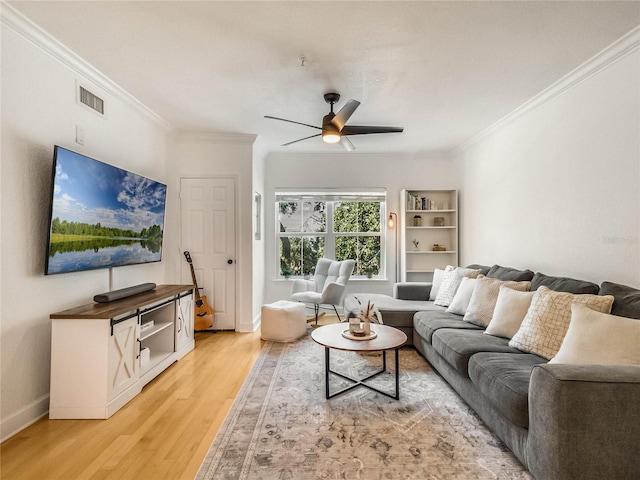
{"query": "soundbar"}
pixel 107 297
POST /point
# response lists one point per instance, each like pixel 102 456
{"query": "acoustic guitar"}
pixel 204 313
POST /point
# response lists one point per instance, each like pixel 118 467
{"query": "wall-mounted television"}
pixel 101 216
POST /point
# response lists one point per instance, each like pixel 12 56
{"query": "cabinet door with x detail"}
pixel 123 357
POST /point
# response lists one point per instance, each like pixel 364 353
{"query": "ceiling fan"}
pixel 333 127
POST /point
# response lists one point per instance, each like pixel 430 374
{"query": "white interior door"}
pixel 208 233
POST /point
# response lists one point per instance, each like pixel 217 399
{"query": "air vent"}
pixel 91 100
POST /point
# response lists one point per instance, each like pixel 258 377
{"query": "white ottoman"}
pixel 283 321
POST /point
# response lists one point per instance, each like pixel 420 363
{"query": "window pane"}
pixel 312 250
pixel 364 250
pixel 290 216
pixel 300 254
pixel 314 217
pixel 356 217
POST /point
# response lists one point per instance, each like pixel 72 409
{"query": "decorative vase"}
pixel 367 328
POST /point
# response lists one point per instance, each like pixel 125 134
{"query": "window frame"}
pixel 330 235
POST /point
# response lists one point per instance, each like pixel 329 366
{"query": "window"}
pixel 338 225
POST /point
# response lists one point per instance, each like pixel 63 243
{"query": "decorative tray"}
pixel 350 336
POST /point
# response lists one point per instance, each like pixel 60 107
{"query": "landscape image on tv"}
pixel 102 216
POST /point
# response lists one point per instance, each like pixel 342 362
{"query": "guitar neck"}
pixel 193 278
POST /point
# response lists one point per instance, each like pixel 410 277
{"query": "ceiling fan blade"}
pixel 301 139
pixel 344 114
pixel 291 121
pixel 365 130
pixel 346 143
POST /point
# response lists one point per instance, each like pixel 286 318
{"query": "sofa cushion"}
pixel 563 284
pixel 511 308
pixel 456 346
pixel 508 273
pixel 426 323
pixel 503 379
pixel 548 317
pixel 627 299
pixel 595 338
pixel 484 298
pixel 484 269
pixel 413 291
pixel 395 312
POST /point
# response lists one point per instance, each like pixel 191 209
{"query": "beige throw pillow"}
pixel 462 297
pixel 485 295
pixel 450 282
pixel 511 308
pixel 547 320
pixel 599 339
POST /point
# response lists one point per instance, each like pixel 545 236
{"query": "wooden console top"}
pixel 97 310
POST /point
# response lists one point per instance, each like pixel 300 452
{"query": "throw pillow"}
pixel 511 308
pixel 462 297
pixel 484 298
pixel 547 320
pixel 437 281
pixel 599 339
pixel 450 282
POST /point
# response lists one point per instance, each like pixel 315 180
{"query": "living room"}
pixel 549 184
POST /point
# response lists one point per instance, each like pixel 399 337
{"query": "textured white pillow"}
pixel 450 282
pixel 511 308
pixel 437 281
pixel 485 295
pixel 548 317
pixel 599 339
pixel 462 297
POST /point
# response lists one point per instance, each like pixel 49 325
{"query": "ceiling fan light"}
pixel 331 137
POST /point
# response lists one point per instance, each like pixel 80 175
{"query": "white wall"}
pixel 558 190
pixel 220 155
pixel 39 110
pixel 259 161
pixel 391 171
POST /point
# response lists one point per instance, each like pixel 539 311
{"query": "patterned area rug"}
pixel 282 427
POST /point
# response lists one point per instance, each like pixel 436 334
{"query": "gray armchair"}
pixel 327 285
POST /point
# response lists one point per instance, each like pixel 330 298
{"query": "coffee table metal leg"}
pixel 397 376
pixel 357 383
pixel 326 371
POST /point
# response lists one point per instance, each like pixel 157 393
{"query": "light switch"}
pixel 79 135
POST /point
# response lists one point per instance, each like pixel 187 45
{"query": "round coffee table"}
pixel 388 338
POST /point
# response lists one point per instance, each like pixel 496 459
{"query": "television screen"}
pixel 102 216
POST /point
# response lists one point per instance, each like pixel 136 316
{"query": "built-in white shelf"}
pixel 436 225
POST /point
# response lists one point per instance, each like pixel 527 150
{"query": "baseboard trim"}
pixel 24 417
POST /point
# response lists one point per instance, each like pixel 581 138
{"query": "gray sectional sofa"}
pixel 562 421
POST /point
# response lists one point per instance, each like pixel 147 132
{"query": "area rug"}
pixel 282 427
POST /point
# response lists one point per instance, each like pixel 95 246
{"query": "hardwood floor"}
pixel 163 433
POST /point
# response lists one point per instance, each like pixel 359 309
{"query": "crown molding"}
pixel 215 137
pixel 619 49
pixel 15 21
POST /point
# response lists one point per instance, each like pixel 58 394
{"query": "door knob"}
pixel 229 261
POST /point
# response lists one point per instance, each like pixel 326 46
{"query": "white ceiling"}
pixel 444 70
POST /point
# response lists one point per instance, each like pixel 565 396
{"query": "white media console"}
pixel 102 354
